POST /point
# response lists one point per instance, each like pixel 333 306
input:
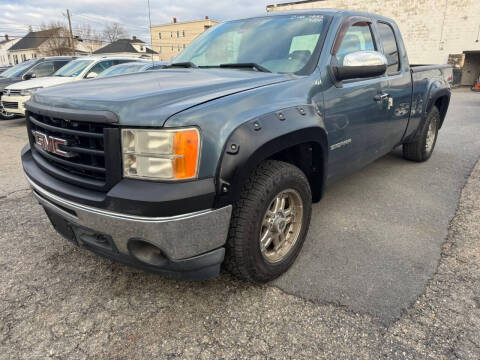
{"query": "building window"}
pixel 160 35
pixel 183 33
pixel 172 47
pixel 171 34
pixel 178 34
pixel 184 46
pixel 24 57
pixel 15 59
pixel 178 47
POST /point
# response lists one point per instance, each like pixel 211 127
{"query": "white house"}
pixel 5 44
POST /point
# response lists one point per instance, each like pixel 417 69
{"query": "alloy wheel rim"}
pixel 431 135
pixel 281 226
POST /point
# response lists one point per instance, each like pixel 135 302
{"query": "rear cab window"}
pixel 303 46
pixel 390 47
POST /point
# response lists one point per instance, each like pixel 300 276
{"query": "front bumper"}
pixel 15 104
pixel 190 244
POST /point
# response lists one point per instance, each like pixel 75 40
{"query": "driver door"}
pixel 355 109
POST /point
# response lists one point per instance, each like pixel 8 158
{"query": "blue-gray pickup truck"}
pixel 215 160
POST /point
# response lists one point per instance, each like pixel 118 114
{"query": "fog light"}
pixel 146 253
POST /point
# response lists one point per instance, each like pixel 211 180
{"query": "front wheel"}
pixel 269 222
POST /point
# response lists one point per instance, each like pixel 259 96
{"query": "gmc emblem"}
pixel 51 144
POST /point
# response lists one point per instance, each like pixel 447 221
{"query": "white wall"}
pixel 4 59
pixel 432 29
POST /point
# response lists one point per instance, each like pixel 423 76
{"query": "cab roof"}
pixel 331 12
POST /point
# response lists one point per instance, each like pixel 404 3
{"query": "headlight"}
pixel 160 154
pixel 27 92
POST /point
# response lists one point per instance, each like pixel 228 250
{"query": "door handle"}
pixel 381 97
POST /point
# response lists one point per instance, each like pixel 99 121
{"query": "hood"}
pixel 41 82
pixel 150 98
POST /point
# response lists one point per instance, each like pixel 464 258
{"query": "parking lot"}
pixel 390 269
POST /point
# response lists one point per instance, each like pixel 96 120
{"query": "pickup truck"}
pixel 216 159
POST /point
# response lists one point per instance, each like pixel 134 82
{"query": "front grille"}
pixel 87 164
pixel 10 104
pixel 11 92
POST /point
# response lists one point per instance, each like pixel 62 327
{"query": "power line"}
pixel 57 37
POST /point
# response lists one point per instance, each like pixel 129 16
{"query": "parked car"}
pixel 218 158
pixel 130 68
pixel 15 96
pixel 26 70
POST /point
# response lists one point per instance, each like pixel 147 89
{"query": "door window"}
pixel 43 69
pixel 390 47
pixel 357 38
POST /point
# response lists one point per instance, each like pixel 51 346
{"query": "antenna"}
pixel 150 27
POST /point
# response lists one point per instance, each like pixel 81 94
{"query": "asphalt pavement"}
pixel 375 239
pixel 385 273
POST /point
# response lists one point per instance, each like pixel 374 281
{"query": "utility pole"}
pixel 72 43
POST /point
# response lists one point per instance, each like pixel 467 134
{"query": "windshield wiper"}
pixel 245 65
pixel 187 64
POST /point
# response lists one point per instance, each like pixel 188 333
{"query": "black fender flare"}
pixel 268 135
pixel 432 99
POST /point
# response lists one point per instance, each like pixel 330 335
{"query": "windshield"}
pixel 17 70
pixel 122 69
pixel 73 68
pixel 282 44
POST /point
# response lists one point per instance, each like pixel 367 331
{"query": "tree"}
pixel 87 38
pixel 114 32
pixel 57 39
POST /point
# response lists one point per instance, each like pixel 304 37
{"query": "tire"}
pixel 421 149
pixel 270 182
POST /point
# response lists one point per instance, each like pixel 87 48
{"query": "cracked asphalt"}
pixel 58 301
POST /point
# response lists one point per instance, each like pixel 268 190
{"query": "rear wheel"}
pixel 269 222
pixel 421 149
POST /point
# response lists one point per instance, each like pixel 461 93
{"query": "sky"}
pixel 17 15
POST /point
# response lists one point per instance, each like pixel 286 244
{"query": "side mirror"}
pixel 361 64
pixel 92 75
pixel 29 76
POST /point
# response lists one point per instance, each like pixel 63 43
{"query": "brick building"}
pixel 169 40
pixel 434 31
